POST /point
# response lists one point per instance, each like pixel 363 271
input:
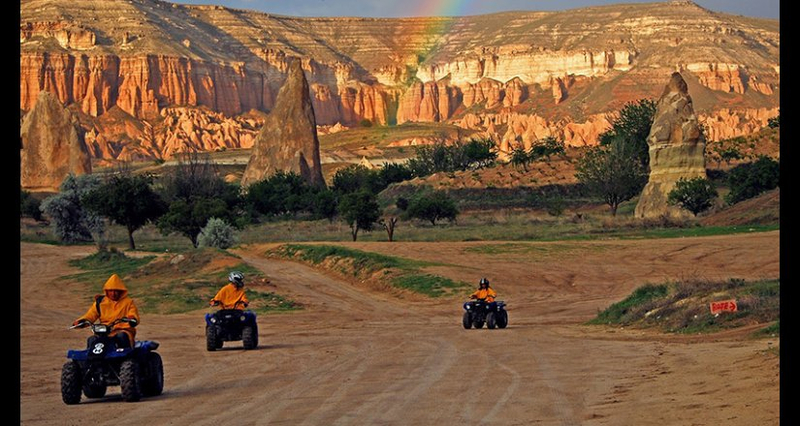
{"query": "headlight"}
pixel 101 328
pixel 213 320
pixel 242 318
pixel 469 307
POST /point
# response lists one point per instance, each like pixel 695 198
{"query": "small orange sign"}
pixel 723 306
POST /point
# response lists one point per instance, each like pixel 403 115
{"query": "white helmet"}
pixel 237 278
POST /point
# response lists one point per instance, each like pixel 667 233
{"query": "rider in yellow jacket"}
pixel 232 296
pixel 114 305
pixel 484 292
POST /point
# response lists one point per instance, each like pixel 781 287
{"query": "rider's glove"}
pixel 214 303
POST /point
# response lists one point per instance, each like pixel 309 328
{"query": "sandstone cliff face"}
pixel 157 55
pixel 52 145
pixel 288 140
pixel 676 150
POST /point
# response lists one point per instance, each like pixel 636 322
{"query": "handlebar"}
pixel 86 323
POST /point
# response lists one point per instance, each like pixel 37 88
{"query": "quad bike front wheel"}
pixel 129 380
pixel 250 337
pixel 213 340
pixel 490 321
pixel 71 382
pixel 94 390
pixel 466 321
pixel 502 319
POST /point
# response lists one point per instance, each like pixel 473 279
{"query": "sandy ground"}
pixel 354 356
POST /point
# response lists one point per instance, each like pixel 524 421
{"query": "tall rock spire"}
pixel 288 141
pixel 676 150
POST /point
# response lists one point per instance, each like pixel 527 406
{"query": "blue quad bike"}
pixel 478 312
pixel 138 371
pixel 228 325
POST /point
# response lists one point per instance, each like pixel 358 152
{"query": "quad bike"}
pixel 228 325
pixel 137 370
pixel 478 312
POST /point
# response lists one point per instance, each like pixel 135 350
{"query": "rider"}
pixel 484 292
pixel 232 295
pixel 114 305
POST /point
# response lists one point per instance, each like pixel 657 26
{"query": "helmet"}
pixel 484 281
pixel 237 278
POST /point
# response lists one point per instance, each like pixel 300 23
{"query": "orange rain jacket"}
pixel 485 293
pixel 231 297
pixel 108 311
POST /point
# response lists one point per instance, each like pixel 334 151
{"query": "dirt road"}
pixel 357 357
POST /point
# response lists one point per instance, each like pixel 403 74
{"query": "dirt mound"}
pixel 762 210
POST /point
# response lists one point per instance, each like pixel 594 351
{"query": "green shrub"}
pixel 749 180
pixel 696 195
pixel 217 233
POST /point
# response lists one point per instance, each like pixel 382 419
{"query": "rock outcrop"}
pixel 676 150
pixel 288 141
pixel 52 145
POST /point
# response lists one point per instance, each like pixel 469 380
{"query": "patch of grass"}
pixel 683 307
pixel 362 260
pixel 182 283
pixel 771 330
pixel 621 312
pixel 428 284
pixel 520 248
pixel 101 265
pixel 396 271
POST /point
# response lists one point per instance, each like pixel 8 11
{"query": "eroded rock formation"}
pixel 288 141
pixel 52 145
pixel 676 150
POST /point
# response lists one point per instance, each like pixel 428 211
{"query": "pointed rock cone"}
pixel 53 145
pixel 288 141
pixel 676 151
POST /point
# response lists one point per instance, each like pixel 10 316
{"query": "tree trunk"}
pixel 614 209
pixel 389 226
pixel 354 232
pixel 194 240
pixel 131 244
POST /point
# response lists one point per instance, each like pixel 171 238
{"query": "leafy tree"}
pixel 72 221
pixel 402 203
pixel 613 172
pixel 281 193
pixel 774 122
pixel 432 206
pixel 441 157
pixel 127 200
pixel 29 205
pixel 360 210
pixel 392 173
pixel 696 195
pixel 546 147
pixel 324 204
pixel 217 233
pixel 520 158
pixel 748 180
pixel 633 124
pixel 354 178
pixel 196 193
pixel 480 153
pixel 389 223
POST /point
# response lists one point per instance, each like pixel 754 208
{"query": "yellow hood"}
pixel 115 283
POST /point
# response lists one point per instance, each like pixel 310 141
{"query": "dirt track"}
pixel 357 357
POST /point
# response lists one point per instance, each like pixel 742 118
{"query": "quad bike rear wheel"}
pixel 153 383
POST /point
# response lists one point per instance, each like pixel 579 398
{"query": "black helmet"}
pixel 237 278
pixel 484 281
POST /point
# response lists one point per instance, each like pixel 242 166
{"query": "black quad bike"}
pixel 478 312
pixel 228 325
pixel 137 370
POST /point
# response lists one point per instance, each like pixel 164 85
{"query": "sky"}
pixel 411 8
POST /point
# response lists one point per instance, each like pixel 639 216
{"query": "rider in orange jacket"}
pixel 114 305
pixel 484 292
pixel 232 295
